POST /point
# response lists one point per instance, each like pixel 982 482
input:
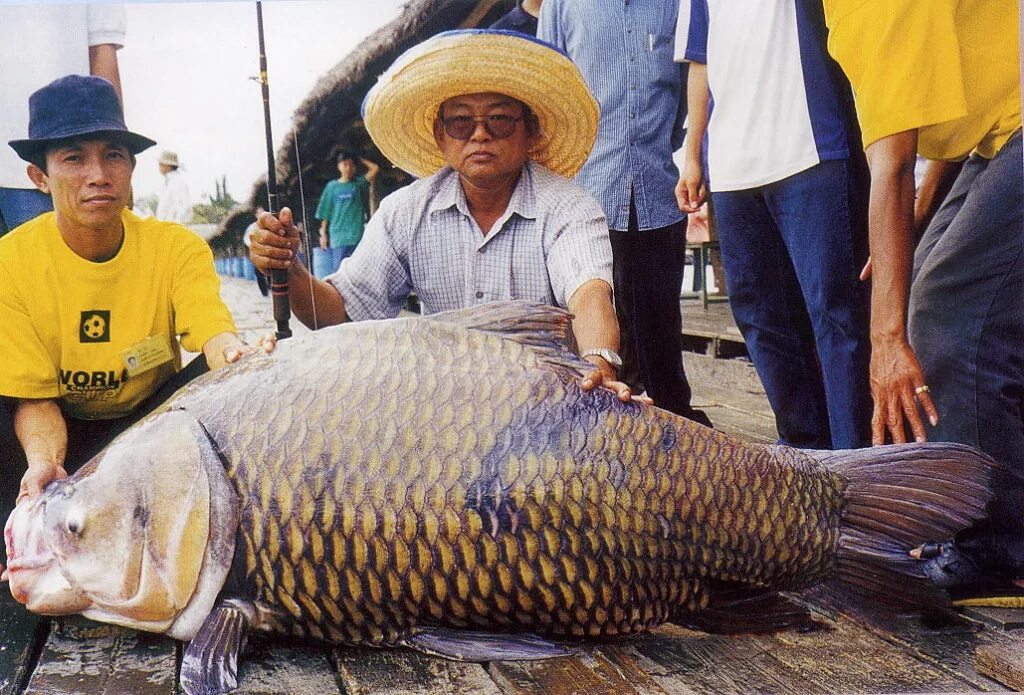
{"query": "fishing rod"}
pixel 278 278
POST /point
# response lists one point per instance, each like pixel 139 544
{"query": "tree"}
pixel 217 206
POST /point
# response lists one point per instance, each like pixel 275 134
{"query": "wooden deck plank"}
pixel 20 634
pixel 730 392
pixel 85 657
pixel 268 666
pixel 1003 662
pixel 945 642
pixel 405 672
pixel 588 672
pixel 845 659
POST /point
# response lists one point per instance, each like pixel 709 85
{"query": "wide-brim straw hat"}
pixel 400 110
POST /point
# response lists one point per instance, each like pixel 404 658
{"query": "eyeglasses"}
pixel 498 125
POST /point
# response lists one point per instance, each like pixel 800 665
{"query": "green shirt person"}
pixel 344 206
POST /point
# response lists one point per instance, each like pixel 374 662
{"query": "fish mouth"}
pixel 36 562
pixel 23 573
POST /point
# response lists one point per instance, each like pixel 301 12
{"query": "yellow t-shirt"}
pixel 949 68
pixel 64 320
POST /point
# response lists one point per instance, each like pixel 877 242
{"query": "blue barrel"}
pixel 248 269
pixel 323 262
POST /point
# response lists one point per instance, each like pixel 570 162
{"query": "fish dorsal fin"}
pixel 543 328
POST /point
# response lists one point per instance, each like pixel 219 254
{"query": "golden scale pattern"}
pixel 441 478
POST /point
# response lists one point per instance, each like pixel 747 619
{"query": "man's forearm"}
pixel 697 108
pixel 314 302
pixel 890 232
pixel 372 168
pixel 103 63
pixel 594 324
pixel 42 432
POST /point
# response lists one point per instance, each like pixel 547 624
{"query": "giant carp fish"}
pixel 445 484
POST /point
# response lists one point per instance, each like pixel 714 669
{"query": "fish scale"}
pixel 498 495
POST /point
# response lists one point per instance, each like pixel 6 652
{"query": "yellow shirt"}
pixel 949 68
pixel 64 320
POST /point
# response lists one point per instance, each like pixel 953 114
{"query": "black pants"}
pixel 85 438
pixel 648 275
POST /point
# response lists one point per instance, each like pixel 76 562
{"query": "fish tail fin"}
pixel 897 498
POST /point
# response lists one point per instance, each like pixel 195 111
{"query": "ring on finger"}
pixel 923 388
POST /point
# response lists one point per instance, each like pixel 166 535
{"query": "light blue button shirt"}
pixel 624 48
pixel 551 239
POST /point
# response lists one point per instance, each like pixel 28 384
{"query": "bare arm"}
pixel 325 240
pixel 43 434
pixel 103 63
pixel 691 190
pixel 595 326
pixel 274 245
pixel 372 169
pixel 895 371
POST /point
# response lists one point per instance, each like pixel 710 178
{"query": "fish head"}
pixel 129 538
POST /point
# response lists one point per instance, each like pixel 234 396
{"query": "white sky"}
pixel 186 69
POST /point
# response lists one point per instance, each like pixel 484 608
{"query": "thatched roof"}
pixel 329 119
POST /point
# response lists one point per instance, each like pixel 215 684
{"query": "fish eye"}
pixel 74 525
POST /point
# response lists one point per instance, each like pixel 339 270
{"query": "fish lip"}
pixel 28 564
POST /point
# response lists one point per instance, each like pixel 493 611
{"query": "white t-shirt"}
pixel 777 106
pixel 38 44
pixel 174 204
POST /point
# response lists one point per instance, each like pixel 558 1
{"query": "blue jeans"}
pixel 966 325
pixel 792 252
pixel 19 205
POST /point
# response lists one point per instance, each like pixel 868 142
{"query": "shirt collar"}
pixel 450 194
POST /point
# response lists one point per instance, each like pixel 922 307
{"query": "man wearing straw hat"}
pixel 94 298
pixel 174 204
pixel 494 122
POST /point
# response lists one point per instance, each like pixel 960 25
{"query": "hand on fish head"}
pixel 141 536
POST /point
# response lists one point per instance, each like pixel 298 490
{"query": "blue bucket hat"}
pixel 71 107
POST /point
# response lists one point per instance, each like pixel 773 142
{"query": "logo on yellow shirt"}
pixel 95 326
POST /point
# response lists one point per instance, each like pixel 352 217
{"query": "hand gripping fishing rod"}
pixel 278 278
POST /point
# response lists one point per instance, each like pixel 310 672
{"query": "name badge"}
pixel 146 354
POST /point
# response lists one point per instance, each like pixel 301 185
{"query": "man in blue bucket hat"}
pixel 95 299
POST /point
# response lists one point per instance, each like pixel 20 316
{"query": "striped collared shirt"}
pixel 551 239
pixel 624 49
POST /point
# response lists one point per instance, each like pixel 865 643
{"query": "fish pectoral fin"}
pixel 739 609
pixel 467 645
pixel 210 662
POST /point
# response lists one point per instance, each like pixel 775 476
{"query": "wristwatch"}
pixel 607 354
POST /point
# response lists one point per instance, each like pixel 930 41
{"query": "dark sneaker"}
pixel 961 575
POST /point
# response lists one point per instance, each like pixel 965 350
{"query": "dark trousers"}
pixel 85 437
pixel 792 252
pixel 966 325
pixel 648 275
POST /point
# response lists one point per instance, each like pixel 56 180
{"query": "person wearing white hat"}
pixel 494 122
pixel 174 204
